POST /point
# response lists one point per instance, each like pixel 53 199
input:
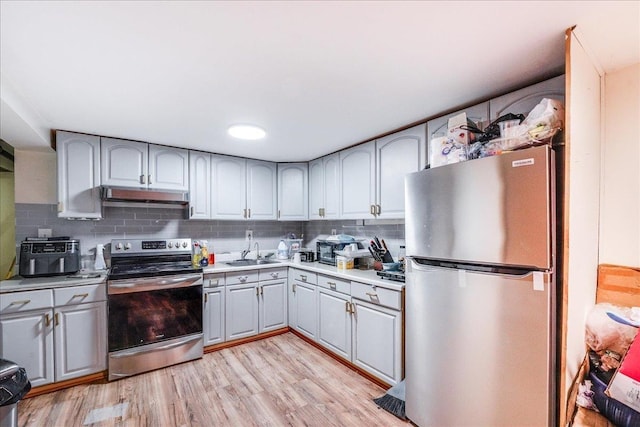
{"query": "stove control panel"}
pixel 138 246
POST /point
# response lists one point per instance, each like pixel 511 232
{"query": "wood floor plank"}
pixel 278 381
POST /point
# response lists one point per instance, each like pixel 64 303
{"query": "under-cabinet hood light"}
pixel 250 132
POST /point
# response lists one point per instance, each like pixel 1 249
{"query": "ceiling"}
pixel 318 76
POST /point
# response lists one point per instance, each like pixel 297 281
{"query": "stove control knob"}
pixel 118 246
pixel 127 246
pixel 170 245
pixel 184 244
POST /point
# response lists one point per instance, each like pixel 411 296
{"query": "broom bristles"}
pixel 392 405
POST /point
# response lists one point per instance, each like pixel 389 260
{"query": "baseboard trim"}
pixel 345 362
pixel 99 377
pixel 227 344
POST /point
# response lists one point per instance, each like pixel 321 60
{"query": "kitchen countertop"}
pixel 362 276
pixel 28 284
pixel 93 277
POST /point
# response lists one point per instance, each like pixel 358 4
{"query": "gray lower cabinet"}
pixel 334 322
pixel 303 307
pixel 213 321
pixel 256 302
pixel 55 334
pixel 377 340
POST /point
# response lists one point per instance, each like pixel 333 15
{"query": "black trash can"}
pixel 14 384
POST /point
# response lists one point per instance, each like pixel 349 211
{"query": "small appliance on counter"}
pixel 49 256
pixel 307 255
pixel 326 249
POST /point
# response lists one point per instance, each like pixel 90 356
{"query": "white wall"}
pixel 35 175
pixel 620 200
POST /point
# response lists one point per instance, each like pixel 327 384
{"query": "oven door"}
pixel 149 310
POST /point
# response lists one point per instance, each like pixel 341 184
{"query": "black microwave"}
pixel 326 251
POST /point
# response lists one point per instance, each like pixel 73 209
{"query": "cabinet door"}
pixel 241 311
pixel 357 181
pixel 199 185
pixel 332 189
pixel 78 159
pixel 80 340
pixel 377 341
pixel 334 322
pixel 123 163
pixel 316 189
pixel 228 176
pixel 214 315
pixel 305 316
pixel 524 100
pixel 27 339
pixel 262 201
pixel 168 168
pixel 397 155
pixel 293 192
pixel 273 305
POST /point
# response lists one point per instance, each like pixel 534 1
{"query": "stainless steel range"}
pixel 155 306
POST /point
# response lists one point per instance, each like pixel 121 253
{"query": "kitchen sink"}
pixel 245 262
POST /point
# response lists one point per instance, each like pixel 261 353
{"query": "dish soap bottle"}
pixel 99 263
pixel 283 253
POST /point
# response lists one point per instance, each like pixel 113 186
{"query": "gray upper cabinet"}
pixel 357 181
pixel 324 187
pixel 138 164
pixel 397 155
pixel 262 187
pixel 199 185
pixel 293 192
pixel 524 100
pixel 78 165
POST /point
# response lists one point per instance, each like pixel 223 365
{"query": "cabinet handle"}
pixel 332 285
pixel 80 296
pixel 214 282
pixel 206 298
pixel 353 308
pixel 348 306
pixel 261 290
pixel 293 288
pixel 249 213
pixel 21 302
pixel 274 275
pixel 149 178
pixel 257 290
pixel 242 279
pixel 303 277
pixel 372 210
pixel 57 317
pixel 47 320
pixel 278 213
pixel 244 213
pixel 191 210
pixel 378 209
pixel 142 179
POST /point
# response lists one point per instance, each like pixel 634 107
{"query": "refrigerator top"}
pixel 496 211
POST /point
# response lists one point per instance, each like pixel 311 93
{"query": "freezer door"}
pixel 479 348
pixel 498 210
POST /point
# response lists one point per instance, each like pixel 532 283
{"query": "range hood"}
pixel 143 195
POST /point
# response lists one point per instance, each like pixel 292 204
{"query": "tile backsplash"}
pixel 224 236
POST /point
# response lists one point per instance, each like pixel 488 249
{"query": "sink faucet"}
pixel 257 246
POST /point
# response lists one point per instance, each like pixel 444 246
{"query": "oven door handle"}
pixel 148 349
pixel 154 283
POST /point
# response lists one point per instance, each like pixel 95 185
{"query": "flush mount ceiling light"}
pixel 250 132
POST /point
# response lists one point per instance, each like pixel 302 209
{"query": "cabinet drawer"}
pixel 79 294
pixel 377 295
pixel 304 276
pixel 246 276
pixel 328 282
pixel 214 280
pixel 15 302
pixel 273 273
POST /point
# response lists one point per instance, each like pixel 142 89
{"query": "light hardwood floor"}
pixel 277 381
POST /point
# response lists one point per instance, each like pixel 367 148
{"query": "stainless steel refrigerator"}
pixel 480 292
